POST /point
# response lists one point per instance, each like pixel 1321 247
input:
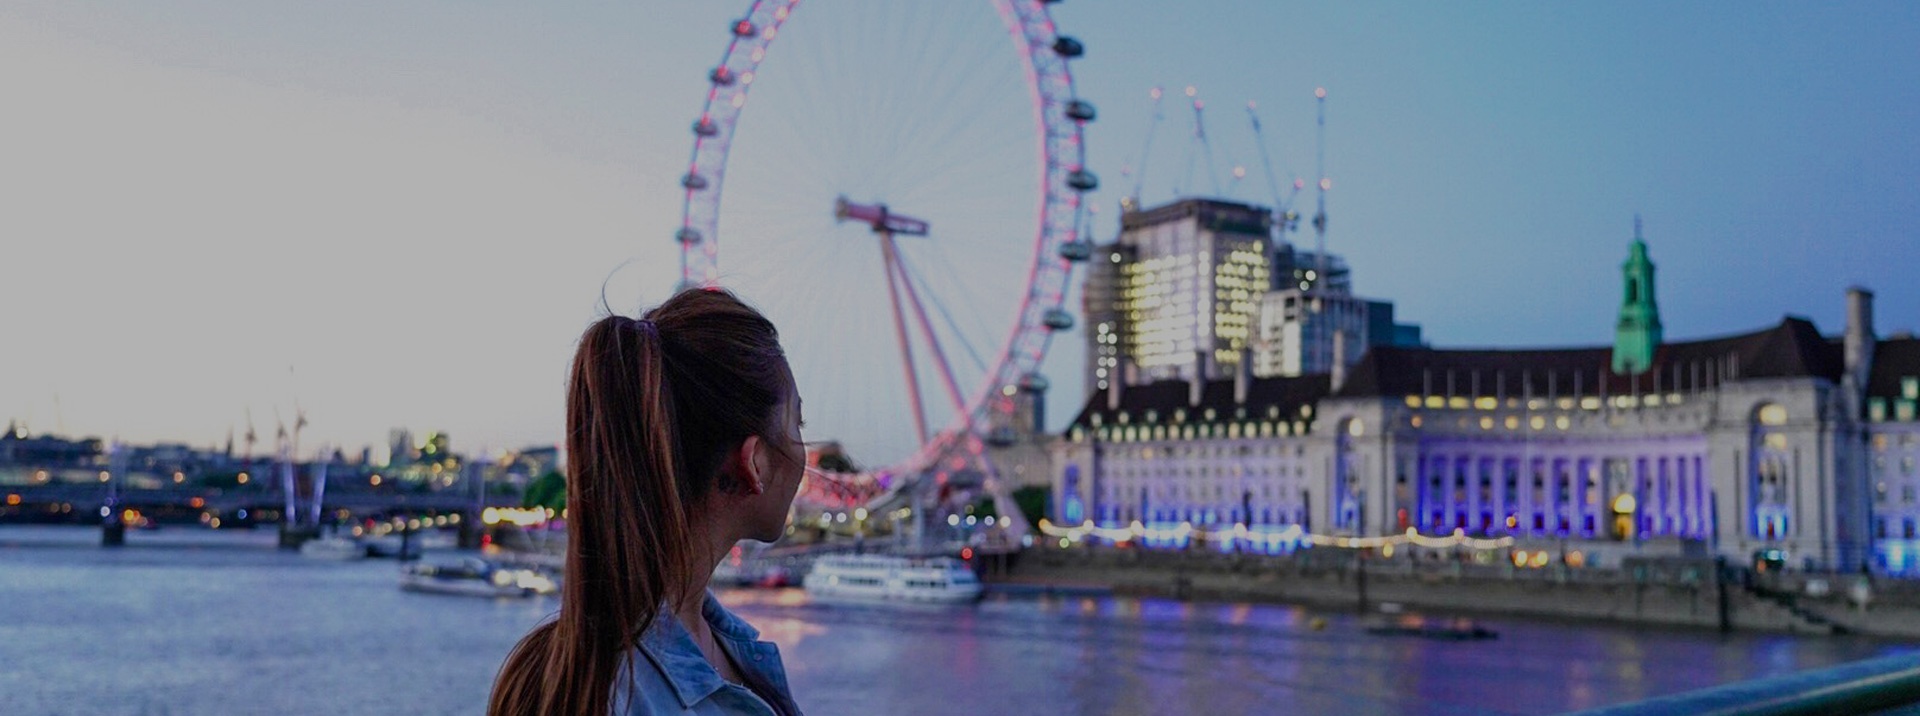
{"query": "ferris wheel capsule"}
pixel 721 76
pixel 1034 383
pixel 705 128
pixel 1076 250
pixel 687 235
pixel 1080 110
pixel 1082 180
pixel 1057 319
pixel 693 181
pixel 1068 47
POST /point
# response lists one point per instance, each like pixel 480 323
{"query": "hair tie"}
pixel 647 326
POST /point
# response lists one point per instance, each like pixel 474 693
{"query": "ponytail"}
pixel 653 406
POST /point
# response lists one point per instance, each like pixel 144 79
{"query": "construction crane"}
pixel 1200 142
pixel 1131 202
pixel 1285 219
pixel 1320 199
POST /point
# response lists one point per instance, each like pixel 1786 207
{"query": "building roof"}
pixel 1893 360
pixel 1214 214
pixel 1794 348
pixel 1265 396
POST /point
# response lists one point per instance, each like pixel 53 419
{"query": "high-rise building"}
pixel 1300 332
pixel 1305 270
pixel 1312 315
pixel 400 447
pixel 1178 291
pixel 1195 287
pixel 1101 298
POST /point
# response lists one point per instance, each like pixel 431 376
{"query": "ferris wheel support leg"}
pixel 900 331
pixel 933 342
pixel 1003 502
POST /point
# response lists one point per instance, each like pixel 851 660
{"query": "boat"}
pixel 1443 629
pixel 475 577
pixel 333 548
pixel 764 576
pixel 886 578
pixel 393 546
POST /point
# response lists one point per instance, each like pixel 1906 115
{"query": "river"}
pixel 187 621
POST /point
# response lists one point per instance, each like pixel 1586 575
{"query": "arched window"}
pixel 1072 509
pixel 1769 474
pixel 1347 492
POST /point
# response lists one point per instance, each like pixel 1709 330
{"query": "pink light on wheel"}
pixel 1045 58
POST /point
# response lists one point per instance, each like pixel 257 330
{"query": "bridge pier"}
pixel 113 533
pixel 292 536
pixel 471 530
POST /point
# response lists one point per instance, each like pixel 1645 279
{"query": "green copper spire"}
pixel 1638 333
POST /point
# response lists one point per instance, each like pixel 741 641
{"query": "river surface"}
pixel 186 621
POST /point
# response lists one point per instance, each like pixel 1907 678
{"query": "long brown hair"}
pixel 653 407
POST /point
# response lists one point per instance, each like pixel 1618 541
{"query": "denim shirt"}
pixel 667 674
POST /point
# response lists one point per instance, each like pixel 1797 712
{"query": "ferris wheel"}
pixel 906 203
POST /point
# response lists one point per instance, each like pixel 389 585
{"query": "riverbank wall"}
pixel 1677 593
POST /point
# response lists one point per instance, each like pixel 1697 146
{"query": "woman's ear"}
pixel 748 469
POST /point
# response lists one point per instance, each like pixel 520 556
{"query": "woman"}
pixel 683 437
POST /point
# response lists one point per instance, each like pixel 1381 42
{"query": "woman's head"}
pixel 682 433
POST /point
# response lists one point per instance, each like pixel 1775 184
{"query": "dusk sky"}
pixel 403 214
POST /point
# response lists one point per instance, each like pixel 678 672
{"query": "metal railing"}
pixel 1862 687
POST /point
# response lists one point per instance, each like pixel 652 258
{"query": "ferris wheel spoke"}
pixel 953 327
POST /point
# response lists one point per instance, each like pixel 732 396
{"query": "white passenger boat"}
pixel 475 577
pixel 883 578
pixel 333 548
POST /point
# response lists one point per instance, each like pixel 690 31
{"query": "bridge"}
pixel 110 505
pixel 89 498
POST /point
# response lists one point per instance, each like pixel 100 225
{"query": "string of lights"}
pixel 1292 533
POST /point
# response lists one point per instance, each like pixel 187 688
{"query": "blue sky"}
pixel 416 206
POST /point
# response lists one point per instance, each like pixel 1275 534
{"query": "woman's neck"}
pixel 716 543
pixel 692 610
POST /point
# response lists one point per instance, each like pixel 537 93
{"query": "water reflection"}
pixel 184 623
pixel 1128 655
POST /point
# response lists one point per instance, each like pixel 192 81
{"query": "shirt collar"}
pixel 671 648
pixel 725 622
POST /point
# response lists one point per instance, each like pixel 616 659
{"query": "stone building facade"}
pixel 1780 443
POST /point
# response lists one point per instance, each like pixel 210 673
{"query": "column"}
pixel 1476 468
pixel 1540 500
pixel 1584 508
pixel 1642 494
pixel 1704 525
pixel 1497 494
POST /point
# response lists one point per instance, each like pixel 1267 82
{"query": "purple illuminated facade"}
pixel 1782 441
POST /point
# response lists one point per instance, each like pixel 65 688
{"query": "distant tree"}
pixel 1032 501
pixel 225 480
pixel 985 508
pixel 837 462
pixel 548 490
